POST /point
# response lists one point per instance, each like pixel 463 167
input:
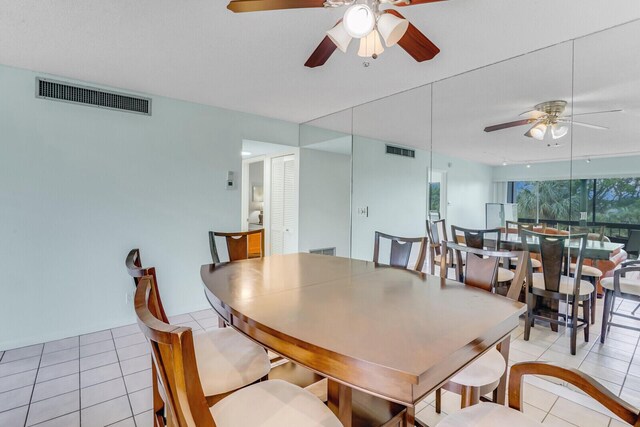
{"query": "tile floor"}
pixel 103 378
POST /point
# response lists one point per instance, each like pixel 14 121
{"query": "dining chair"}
pixel 481 271
pixel 492 415
pixel 620 286
pixel 240 245
pixel 267 403
pixel 589 272
pixel 555 284
pixel 437 232
pixel 227 360
pixel 489 239
pixel 513 227
pixel 400 251
pixel 633 244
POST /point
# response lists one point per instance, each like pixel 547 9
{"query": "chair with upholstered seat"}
pixel 555 285
pixel 482 239
pixel 481 271
pixel 492 415
pixel 400 250
pixel 240 245
pixel 512 227
pixel 268 403
pixel 227 360
pixel 589 272
pixel 437 233
pixel 620 286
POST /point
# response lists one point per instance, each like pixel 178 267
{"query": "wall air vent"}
pixel 61 91
pixel 324 251
pixel 399 151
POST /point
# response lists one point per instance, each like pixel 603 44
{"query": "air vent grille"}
pixel 324 251
pixel 399 151
pixel 61 91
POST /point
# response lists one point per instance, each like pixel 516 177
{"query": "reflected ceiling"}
pixel 198 51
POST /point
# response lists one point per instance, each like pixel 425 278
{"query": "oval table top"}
pixel 387 331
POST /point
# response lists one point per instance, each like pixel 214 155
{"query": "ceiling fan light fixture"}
pixel 558 131
pixel 392 28
pixel 359 20
pixel 371 46
pixel 538 131
pixel 340 37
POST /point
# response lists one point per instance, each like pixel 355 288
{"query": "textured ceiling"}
pixel 197 50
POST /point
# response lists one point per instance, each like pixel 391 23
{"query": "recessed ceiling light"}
pixel 245 153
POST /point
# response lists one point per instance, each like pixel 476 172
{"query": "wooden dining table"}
pixel 593 250
pixel 390 333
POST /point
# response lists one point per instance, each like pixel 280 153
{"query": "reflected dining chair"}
pixel 227 360
pixel 482 239
pixel 240 245
pixel 512 227
pixel 400 251
pixel 555 285
pixel 437 233
pixel 267 403
pixel 483 375
pixel 492 415
pixel 620 286
pixel 589 272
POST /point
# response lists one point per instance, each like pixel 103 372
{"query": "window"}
pixel 434 197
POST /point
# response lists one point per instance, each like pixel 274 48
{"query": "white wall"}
pixel 325 197
pixel 81 186
pixel 394 188
pixel 469 188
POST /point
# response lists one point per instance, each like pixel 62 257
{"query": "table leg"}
pixel 339 400
pixel 409 417
pixel 502 386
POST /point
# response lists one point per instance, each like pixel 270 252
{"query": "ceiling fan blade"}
pixel 415 43
pixel 257 5
pixel 509 125
pixel 319 56
pixel 412 2
pixel 532 114
pixel 599 112
pixel 586 125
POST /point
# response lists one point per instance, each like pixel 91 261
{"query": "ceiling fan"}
pixel 548 116
pixel 362 20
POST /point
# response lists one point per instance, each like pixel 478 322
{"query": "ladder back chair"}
pixel 481 271
pixel 492 415
pixel 228 360
pixel 555 284
pixel 437 232
pixel 489 239
pixel 240 245
pixel 620 286
pixel 513 227
pixel 268 403
pixel 400 252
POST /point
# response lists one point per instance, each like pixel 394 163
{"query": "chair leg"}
pixel 594 297
pixel 586 309
pixel 574 324
pixel 605 313
pixel 438 400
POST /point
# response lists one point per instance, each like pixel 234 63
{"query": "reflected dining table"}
pixel 593 250
pixel 394 334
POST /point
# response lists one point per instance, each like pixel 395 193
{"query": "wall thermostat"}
pixel 231 182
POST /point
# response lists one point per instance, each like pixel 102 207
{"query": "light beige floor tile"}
pixel 18 366
pixel 99 375
pixel 55 387
pixel 54 407
pixel 102 392
pixel 144 419
pixel 15 398
pixel 137 364
pixel 106 413
pixel 533 412
pixel 14 417
pixel 578 414
pixel 96 348
pixel 141 400
pixel 21 353
pixel 129 340
pixel 539 398
pixel 95 337
pixel 129 422
pixel 61 356
pixel 69 420
pixel 180 318
pixel 602 372
pixel 22 379
pixel 632 382
pixel 204 314
pixel 97 360
pixel 552 420
pixel 563 359
pixel 630 396
pixel 62 344
pixel 608 362
pixel 125 330
pixel 429 416
pixel 57 371
pixel 133 351
pixel 138 381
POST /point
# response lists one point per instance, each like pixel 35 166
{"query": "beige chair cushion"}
pixel 534 262
pixel 566 284
pixel 227 360
pixel 627 285
pixel 273 403
pixel 486 370
pixel 587 270
pixel 505 275
pixel 488 415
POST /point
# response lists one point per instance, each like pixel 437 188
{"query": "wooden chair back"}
pixel 514 227
pixel 556 259
pixel 436 232
pixel 173 354
pixel 401 250
pixel 240 245
pixel 633 244
pixel 480 239
pixel 133 262
pixel 597 236
pixel 582 381
pixel 481 267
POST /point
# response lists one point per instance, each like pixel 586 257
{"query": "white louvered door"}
pixel 284 209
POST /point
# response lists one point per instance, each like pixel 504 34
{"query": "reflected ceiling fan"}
pixel 548 117
pixel 362 20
